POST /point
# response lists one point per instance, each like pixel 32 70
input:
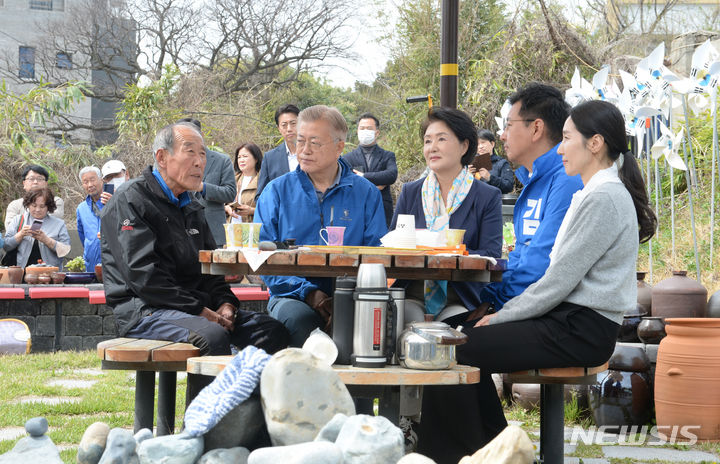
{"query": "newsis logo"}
pixel 635 435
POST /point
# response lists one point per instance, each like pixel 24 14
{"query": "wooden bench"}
pixel 57 294
pixel 552 404
pixel 146 357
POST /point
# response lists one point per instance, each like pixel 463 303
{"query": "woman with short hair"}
pixel 247 162
pixel 36 234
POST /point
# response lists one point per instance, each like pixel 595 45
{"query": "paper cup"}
pixel 454 237
pixel 405 222
pixel 250 234
pixel 233 235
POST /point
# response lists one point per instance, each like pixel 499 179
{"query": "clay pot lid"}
pixel 638 310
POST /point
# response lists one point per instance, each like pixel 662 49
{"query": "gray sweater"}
pixel 595 264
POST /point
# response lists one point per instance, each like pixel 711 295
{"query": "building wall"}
pixel 23 26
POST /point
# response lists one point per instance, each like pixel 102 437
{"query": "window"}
pixel 27 63
pixel 63 60
pixel 41 4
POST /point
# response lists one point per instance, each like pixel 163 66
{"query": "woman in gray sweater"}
pixel 572 315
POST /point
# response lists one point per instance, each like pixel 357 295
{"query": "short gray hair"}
pixel 165 138
pixel 330 114
pixel 87 169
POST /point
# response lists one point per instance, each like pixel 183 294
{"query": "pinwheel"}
pixel 504 111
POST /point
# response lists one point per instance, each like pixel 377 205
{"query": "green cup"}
pixel 250 236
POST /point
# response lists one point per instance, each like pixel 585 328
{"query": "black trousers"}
pixel 459 420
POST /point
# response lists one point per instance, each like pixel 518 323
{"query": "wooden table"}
pixel 383 383
pixel 314 263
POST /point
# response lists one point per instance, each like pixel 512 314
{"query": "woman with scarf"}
pixel 572 315
pixel 450 198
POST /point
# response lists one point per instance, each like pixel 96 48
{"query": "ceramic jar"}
pixel 622 395
pixel 32 279
pixel 631 321
pixel 44 279
pixel 15 274
pixel 644 292
pixel 98 273
pixel 713 305
pixel 651 330
pixel 679 296
pixel 58 277
pixel 687 376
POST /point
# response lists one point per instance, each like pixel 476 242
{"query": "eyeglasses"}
pixel 35 179
pixel 313 144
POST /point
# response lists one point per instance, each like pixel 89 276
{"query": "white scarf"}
pixel 604 176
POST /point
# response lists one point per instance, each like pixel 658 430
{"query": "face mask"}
pixel 366 137
pixel 117 182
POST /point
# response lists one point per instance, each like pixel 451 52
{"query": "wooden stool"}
pixel 146 357
pixel 552 403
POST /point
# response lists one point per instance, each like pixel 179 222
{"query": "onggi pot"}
pixel 679 296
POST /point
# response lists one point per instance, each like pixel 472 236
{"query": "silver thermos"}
pixel 372 300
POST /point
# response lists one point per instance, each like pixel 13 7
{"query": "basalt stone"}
pixel 92 444
pixel 90 343
pixel 109 327
pixel 32 450
pixel 45 325
pixel 331 430
pixel 314 452
pixel 42 344
pixel 237 455
pixel 370 440
pixel 240 427
pixel 83 325
pixel 36 427
pixel 120 448
pixel 171 449
pixel 142 435
pixel 300 394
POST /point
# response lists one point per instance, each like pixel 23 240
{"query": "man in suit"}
pixel 370 161
pixel 219 187
pixel 283 158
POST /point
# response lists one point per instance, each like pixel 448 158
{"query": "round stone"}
pixel 36 427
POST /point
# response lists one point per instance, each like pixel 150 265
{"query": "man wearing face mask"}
pixel 370 161
pixel 115 173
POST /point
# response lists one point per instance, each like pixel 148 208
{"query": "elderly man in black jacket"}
pixel 152 229
pixel 372 162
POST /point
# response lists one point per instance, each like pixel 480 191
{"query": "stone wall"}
pixel 84 325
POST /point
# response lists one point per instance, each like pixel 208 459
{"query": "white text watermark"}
pixel 635 435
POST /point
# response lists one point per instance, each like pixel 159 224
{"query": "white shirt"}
pixel 245 182
pixel 292 159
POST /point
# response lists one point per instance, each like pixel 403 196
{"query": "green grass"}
pixel 110 400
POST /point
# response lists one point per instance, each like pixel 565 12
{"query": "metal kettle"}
pixel 373 305
pixel 429 346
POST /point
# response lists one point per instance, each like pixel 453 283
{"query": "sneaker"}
pixel 406 425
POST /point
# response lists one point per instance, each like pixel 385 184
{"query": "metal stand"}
pixel 166 403
pixel 144 400
pixel 552 424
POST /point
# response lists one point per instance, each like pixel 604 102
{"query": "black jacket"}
pixel 382 171
pixel 501 174
pixel 150 254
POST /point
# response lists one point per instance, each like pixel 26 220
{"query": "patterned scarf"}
pixel 437 218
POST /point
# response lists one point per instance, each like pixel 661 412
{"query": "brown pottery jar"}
pixel 679 296
pixel 687 376
pixel 713 305
pixel 32 279
pixel 15 274
pixel 644 292
pixel 98 273
pixel 58 277
pixel 44 279
pixel 631 321
pixel 651 330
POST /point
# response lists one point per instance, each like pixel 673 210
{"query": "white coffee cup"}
pixel 405 223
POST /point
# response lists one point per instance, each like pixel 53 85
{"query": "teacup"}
pixel 454 237
pixel 250 234
pixel 335 235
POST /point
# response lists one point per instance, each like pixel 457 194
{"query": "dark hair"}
pixel 458 122
pixel 540 101
pixel 254 151
pixel 35 168
pixel 603 118
pixel 288 108
pixel 192 121
pixel 487 135
pixel 33 195
pixel 369 116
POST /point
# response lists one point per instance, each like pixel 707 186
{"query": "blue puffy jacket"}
pixel 539 211
pixel 289 208
pixel 88 226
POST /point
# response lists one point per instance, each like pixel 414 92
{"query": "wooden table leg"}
pixel 144 400
pixel 552 424
pixel 166 403
pixel 195 383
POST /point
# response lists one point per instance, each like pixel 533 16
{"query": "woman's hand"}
pixel 43 238
pixel 246 210
pixel 229 212
pixel 485 320
pixel 484 173
pixel 471 169
pixel 22 233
